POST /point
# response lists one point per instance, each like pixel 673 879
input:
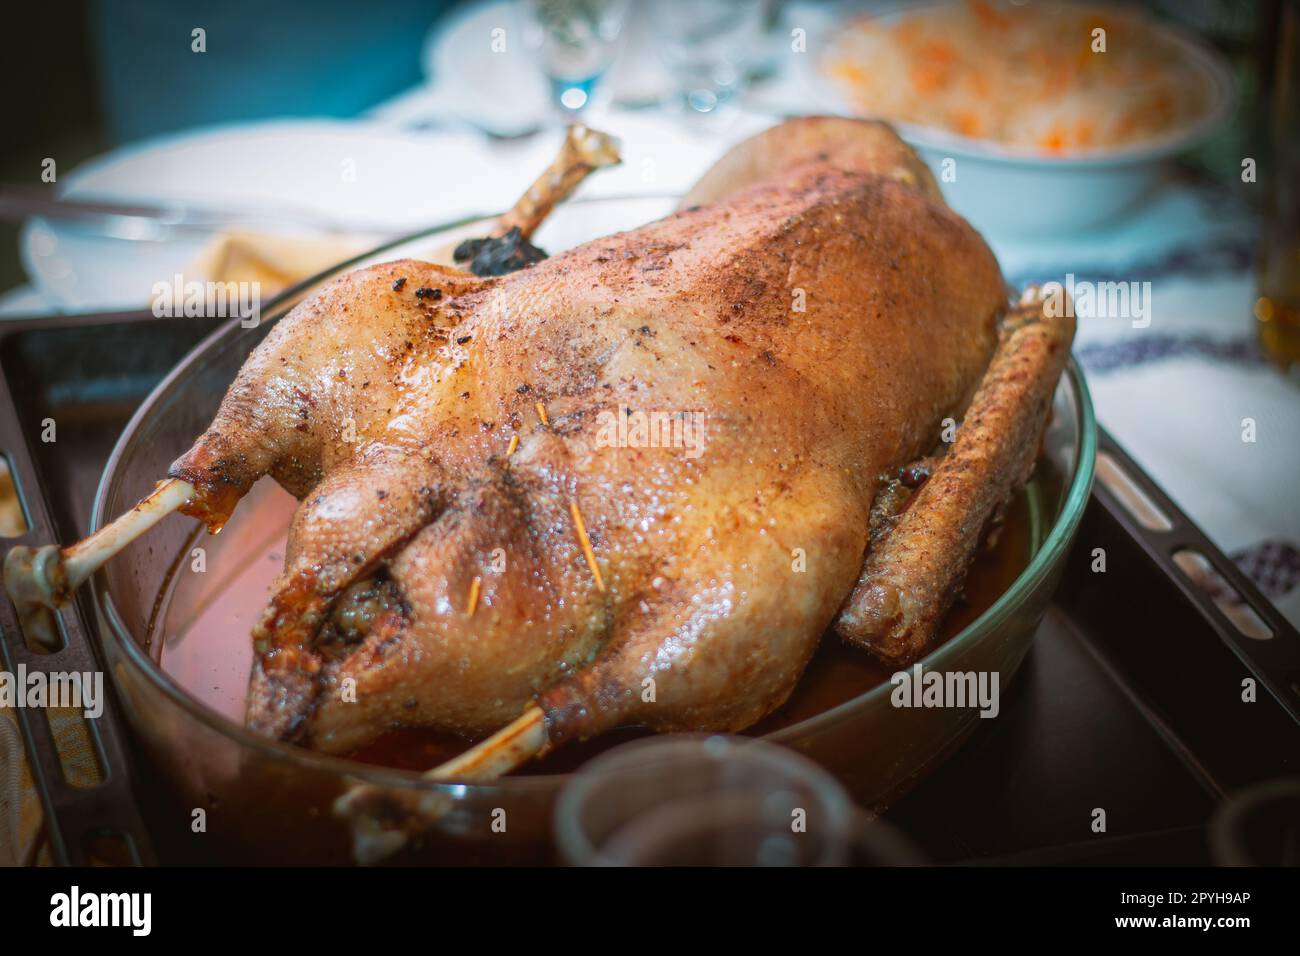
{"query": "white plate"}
pixel 503 92
pixel 345 170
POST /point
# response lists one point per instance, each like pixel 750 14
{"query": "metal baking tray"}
pixel 87 374
pixel 1130 699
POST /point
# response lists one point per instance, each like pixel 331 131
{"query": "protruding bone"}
pixel 41 579
pixel 514 744
pixel 382 819
pixel 584 151
pixel 506 248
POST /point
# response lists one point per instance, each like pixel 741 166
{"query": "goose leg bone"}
pixel 383 819
pixel 508 247
pixel 39 580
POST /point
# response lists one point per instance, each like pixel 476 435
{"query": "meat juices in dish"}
pixel 815 301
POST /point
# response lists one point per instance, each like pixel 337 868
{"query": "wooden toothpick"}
pixel 586 545
pixel 474 587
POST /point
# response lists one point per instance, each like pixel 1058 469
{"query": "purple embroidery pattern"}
pixel 1234 255
pixel 1148 348
pixel 1273 564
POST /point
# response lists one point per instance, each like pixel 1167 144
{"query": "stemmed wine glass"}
pixel 575 41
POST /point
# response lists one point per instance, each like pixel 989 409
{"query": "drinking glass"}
pixel 699 800
pixel 709 46
pixel 575 41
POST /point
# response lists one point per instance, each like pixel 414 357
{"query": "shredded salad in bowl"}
pixel 1052 80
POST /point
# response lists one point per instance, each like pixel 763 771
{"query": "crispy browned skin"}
pixel 705 621
pixel 844 144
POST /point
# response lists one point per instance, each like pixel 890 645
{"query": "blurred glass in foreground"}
pixel 1277 309
pixel 696 800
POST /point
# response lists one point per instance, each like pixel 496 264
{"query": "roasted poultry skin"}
pixel 814 304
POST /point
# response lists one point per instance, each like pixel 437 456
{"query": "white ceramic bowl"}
pixel 1013 191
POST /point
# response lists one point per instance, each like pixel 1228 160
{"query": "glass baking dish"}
pixel 269 802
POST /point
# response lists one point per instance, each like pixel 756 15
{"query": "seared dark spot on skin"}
pixel 500 255
pixel 463 339
pixel 397 286
pixel 424 292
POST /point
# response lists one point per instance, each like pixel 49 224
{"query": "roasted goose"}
pixel 470 543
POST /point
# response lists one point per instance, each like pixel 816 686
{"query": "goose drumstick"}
pixel 41 579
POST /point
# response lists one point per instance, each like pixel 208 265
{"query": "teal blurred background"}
pixel 82 77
